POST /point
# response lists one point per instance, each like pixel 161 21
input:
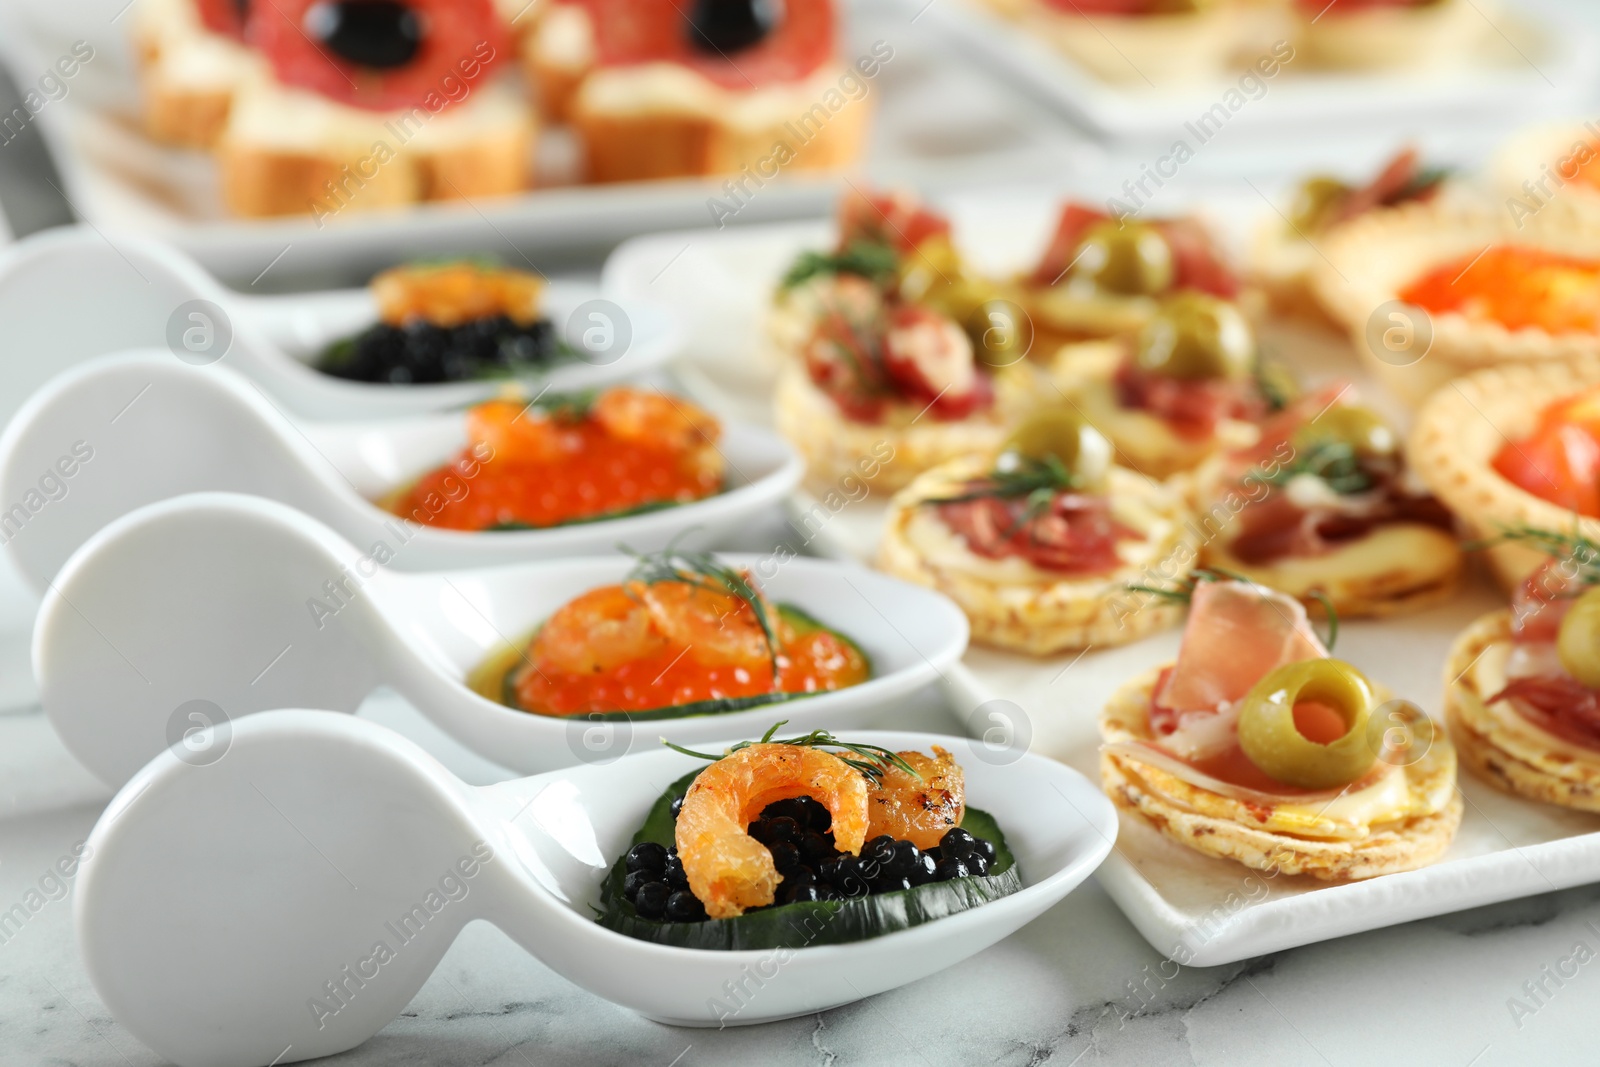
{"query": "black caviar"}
pixel 421 353
pixel 798 834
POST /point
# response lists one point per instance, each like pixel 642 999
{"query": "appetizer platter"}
pixel 1131 67
pixel 516 662
pixel 538 857
pixel 1285 766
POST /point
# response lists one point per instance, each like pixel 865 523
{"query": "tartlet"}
pixel 1057 575
pixel 1173 759
pixel 1325 508
pixel 1520 683
pixel 1556 161
pixel 1374 261
pixel 1462 429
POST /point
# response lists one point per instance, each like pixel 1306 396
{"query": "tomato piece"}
pixel 462 42
pixel 896 219
pixel 226 17
pixel 632 32
pixel 1073 223
pixel 1559 463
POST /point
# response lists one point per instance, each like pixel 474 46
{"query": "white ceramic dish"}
pixel 1195 909
pixel 247 605
pixel 357 826
pixel 156 427
pixel 1527 68
pixel 68 295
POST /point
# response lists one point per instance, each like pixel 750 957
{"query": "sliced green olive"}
pixel 1128 258
pixel 1067 436
pixel 1350 424
pixel 929 269
pixel 1315 202
pixel 1001 332
pixel 1272 739
pixel 1195 336
pixel 1578 641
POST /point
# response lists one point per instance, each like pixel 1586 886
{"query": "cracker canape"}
pixel 1190 385
pixel 1522 685
pixel 1417 35
pixel 887 349
pixel 1325 508
pixel 1257 746
pixel 1430 291
pixel 1136 42
pixel 1515 447
pixel 1040 543
pixel 1285 251
pixel 1102 277
pixel 192 60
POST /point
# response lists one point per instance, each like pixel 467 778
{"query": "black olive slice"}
pixel 381 34
pixel 724 26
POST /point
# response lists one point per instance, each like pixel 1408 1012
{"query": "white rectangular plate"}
pixel 1526 67
pixel 1196 909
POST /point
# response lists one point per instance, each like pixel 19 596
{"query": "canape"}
pixel 710 88
pixel 681 635
pixel 1522 685
pixel 888 349
pixel 1142 42
pixel 806 841
pixel 1039 543
pixel 449 322
pixel 192 60
pixel 1325 508
pixel 1431 291
pixel 1257 746
pixel 1286 249
pixel 1403 35
pixel 1515 447
pixel 1545 163
pixel 1190 385
pixel 563 459
pixel 1101 276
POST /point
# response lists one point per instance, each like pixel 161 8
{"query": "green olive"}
pixel 1350 424
pixel 1068 436
pixel 1273 742
pixel 1195 336
pixel 1128 258
pixel 1315 202
pixel 929 269
pixel 1001 332
pixel 1578 641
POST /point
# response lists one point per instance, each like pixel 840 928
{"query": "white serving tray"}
pixel 1529 67
pixel 1195 909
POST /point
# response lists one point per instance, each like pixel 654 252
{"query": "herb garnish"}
pixel 870 762
pixel 1333 461
pixel 701 569
pixel 1033 478
pixel 1574 546
pixel 868 259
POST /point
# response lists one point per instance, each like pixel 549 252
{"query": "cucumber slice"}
pixel 826 922
pixel 801 622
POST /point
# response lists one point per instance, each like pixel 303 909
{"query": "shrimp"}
pixel 919 810
pixel 602 629
pixel 515 431
pixel 730 871
pixel 718 629
pixel 655 419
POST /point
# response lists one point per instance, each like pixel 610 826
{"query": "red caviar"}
pixel 1560 460
pixel 642 646
pixel 528 466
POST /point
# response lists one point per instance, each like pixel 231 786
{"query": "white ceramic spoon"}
pixel 223 605
pixel 120 431
pixel 70 294
pixel 288 900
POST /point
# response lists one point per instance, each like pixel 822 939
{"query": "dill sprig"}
pixel 1582 550
pixel 701 569
pixel 566 407
pixel 1182 592
pixel 868 259
pixel 1034 479
pixel 1333 461
pixel 869 760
